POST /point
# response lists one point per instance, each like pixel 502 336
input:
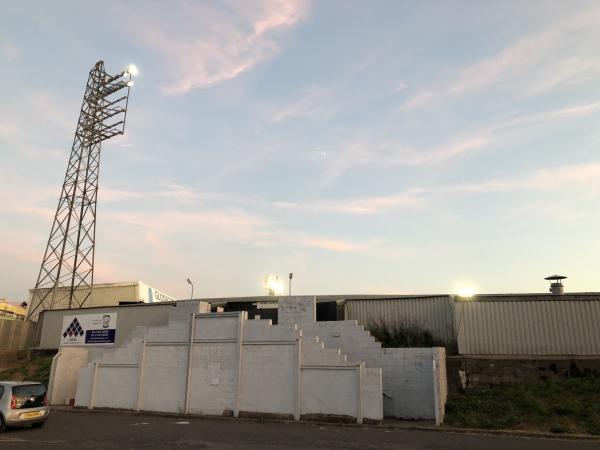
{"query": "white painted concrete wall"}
pixel 318 384
pixel 221 363
pixel 236 365
pixel 165 371
pixel 116 387
pixel 296 310
pixel 268 384
pixel 411 390
pixel 64 373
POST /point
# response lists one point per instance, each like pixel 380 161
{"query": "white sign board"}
pixel 89 329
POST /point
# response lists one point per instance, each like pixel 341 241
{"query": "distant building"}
pixel 103 294
pixel 10 311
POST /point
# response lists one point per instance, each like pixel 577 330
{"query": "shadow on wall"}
pixel 404 334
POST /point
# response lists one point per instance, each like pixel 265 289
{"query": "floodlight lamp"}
pixel 130 83
pixel 131 70
pixel 273 285
pixel 466 292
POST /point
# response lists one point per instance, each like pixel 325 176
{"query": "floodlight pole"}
pixel 290 287
pixel 69 257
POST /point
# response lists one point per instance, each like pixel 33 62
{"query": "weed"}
pixel 402 334
pixel 559 406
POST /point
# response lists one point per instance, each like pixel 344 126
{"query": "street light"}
pixel 192 285
pixel 291 276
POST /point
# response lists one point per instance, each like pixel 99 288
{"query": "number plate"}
pixel 29 415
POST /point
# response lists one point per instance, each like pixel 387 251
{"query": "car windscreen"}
pixel 29 395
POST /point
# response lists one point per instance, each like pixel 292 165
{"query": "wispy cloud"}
pixel 578 177
pixel 539 62
pixel 211 44
pixel 409 199
pixel 370 152
pixel 556 179
pixel 310 103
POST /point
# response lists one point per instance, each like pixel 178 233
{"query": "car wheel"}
pixel 2 424
pixel 38 425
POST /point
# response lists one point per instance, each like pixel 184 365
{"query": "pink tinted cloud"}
pixel 217 44
pixel 393 153
pixel 8 130
pixel 584 177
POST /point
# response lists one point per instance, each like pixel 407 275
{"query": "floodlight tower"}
pixel 68 263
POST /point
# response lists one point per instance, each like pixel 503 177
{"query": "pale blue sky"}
pixel 369 147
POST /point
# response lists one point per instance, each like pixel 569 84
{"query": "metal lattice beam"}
pixel 68 263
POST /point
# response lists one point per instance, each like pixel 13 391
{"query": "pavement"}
pixel 81 429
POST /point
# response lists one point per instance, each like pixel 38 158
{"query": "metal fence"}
pixel 17 334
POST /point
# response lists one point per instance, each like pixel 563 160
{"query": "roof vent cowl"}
pixel 556 286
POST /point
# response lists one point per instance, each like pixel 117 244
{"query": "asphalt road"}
pixel 102 430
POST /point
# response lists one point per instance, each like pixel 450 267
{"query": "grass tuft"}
pixel 558 406
pixel 37 369
pixel 402 335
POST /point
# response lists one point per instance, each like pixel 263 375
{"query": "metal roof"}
pixel 579 296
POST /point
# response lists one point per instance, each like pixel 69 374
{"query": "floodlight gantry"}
pixel 68 263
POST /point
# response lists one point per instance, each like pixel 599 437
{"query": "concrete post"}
pixel 436 395
pixel 93 388
pixel 55 359
pixel 139 403
pixel 298 359
pixel 240 345
pixel 188 381
pixel 359 413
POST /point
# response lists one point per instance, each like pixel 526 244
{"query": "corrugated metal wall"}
pixel 102 295
pixel 16 334
pixel 431 313
pixel 550 327
pixel 128 317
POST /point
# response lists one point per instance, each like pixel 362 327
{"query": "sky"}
pixel 388 147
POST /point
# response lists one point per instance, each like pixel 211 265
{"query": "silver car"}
pixel 22 403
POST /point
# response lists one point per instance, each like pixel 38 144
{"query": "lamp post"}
pixel 192 285
pixel 291 276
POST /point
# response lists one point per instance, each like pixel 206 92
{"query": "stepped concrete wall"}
pixel 414 379
pixel 224 364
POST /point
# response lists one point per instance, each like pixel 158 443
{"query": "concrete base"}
pixel 480 372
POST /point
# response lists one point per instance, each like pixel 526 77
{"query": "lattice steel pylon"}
pixel 66 276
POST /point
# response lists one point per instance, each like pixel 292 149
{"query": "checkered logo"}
pixel 74 329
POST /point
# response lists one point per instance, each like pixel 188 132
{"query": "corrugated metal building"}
pixel 516 325
pixel 128 318
pixel 529 325
pixel 103 294
pixel 496 324
pixel 433 313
